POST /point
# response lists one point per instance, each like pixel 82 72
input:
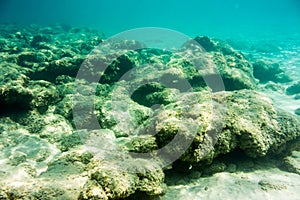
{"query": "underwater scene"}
pixel 150 100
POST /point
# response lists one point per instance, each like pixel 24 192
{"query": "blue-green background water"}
pixel 251 18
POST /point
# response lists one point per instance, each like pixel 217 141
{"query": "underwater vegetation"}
pixel 47 152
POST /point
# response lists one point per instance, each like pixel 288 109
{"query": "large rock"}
pixel 293 89
pixel 192 62
pixel 110 182
pixel 48 51
pixel 223 122
pixel 19 93
pixel 292 162
pixel 235 70
pixel 266 71
pixel 144 99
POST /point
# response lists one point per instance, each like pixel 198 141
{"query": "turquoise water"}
pixel 47 49
pixel 191 17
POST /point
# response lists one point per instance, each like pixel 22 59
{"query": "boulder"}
pixel 293 89
pixel 111 181
pixel 267 71
pixel 19 93
pixel 223 122
pixel 292 162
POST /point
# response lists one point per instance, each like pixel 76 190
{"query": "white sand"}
pixel 271 184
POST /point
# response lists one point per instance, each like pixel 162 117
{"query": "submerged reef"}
pixel 53 152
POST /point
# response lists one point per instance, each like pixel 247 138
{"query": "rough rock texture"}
pixel 235 69
pixel 192 63
pixel 47 52
pixel 107 181
pixel 223 122
pixel 18 92
pixel 143 99
pixel 292 162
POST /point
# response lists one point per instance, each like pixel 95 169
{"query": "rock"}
pixel 17 158
pixel 206 43
pixel 267 185
pixel 37 39
pixel 231 168
pixel 265 71
pixel 69 141
pixel 250 122
pixel 151 94
pixel 108 183
pixel 120 113
pixel 292 163
pixel 274 87
pixel 59 146
pixel 215 167
pixel 49 126
pixel 297 111
pixel 25 151
pixel 143 144
pixel 191 63
pixel 245 165
pixel 293 89
pixel 57 51
pixel 195 175
pixel 210 45
pixel 40 192
pixel 21 94
pixel 297 97
pixel 236 72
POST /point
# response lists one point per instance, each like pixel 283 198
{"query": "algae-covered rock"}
pixel 112 182
pixel 52 52
pixel 225 121
pixel 120 113
pixel 191 61
pixel 69 137
pixel 235 70
pixel 265 71
pixel 19 93
pixel 292 162
pixel 277 87
pixel 215 167
pixel 293 89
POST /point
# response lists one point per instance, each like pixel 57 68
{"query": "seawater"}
pixel 254 18
pixel 263 29
pixel 253 25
